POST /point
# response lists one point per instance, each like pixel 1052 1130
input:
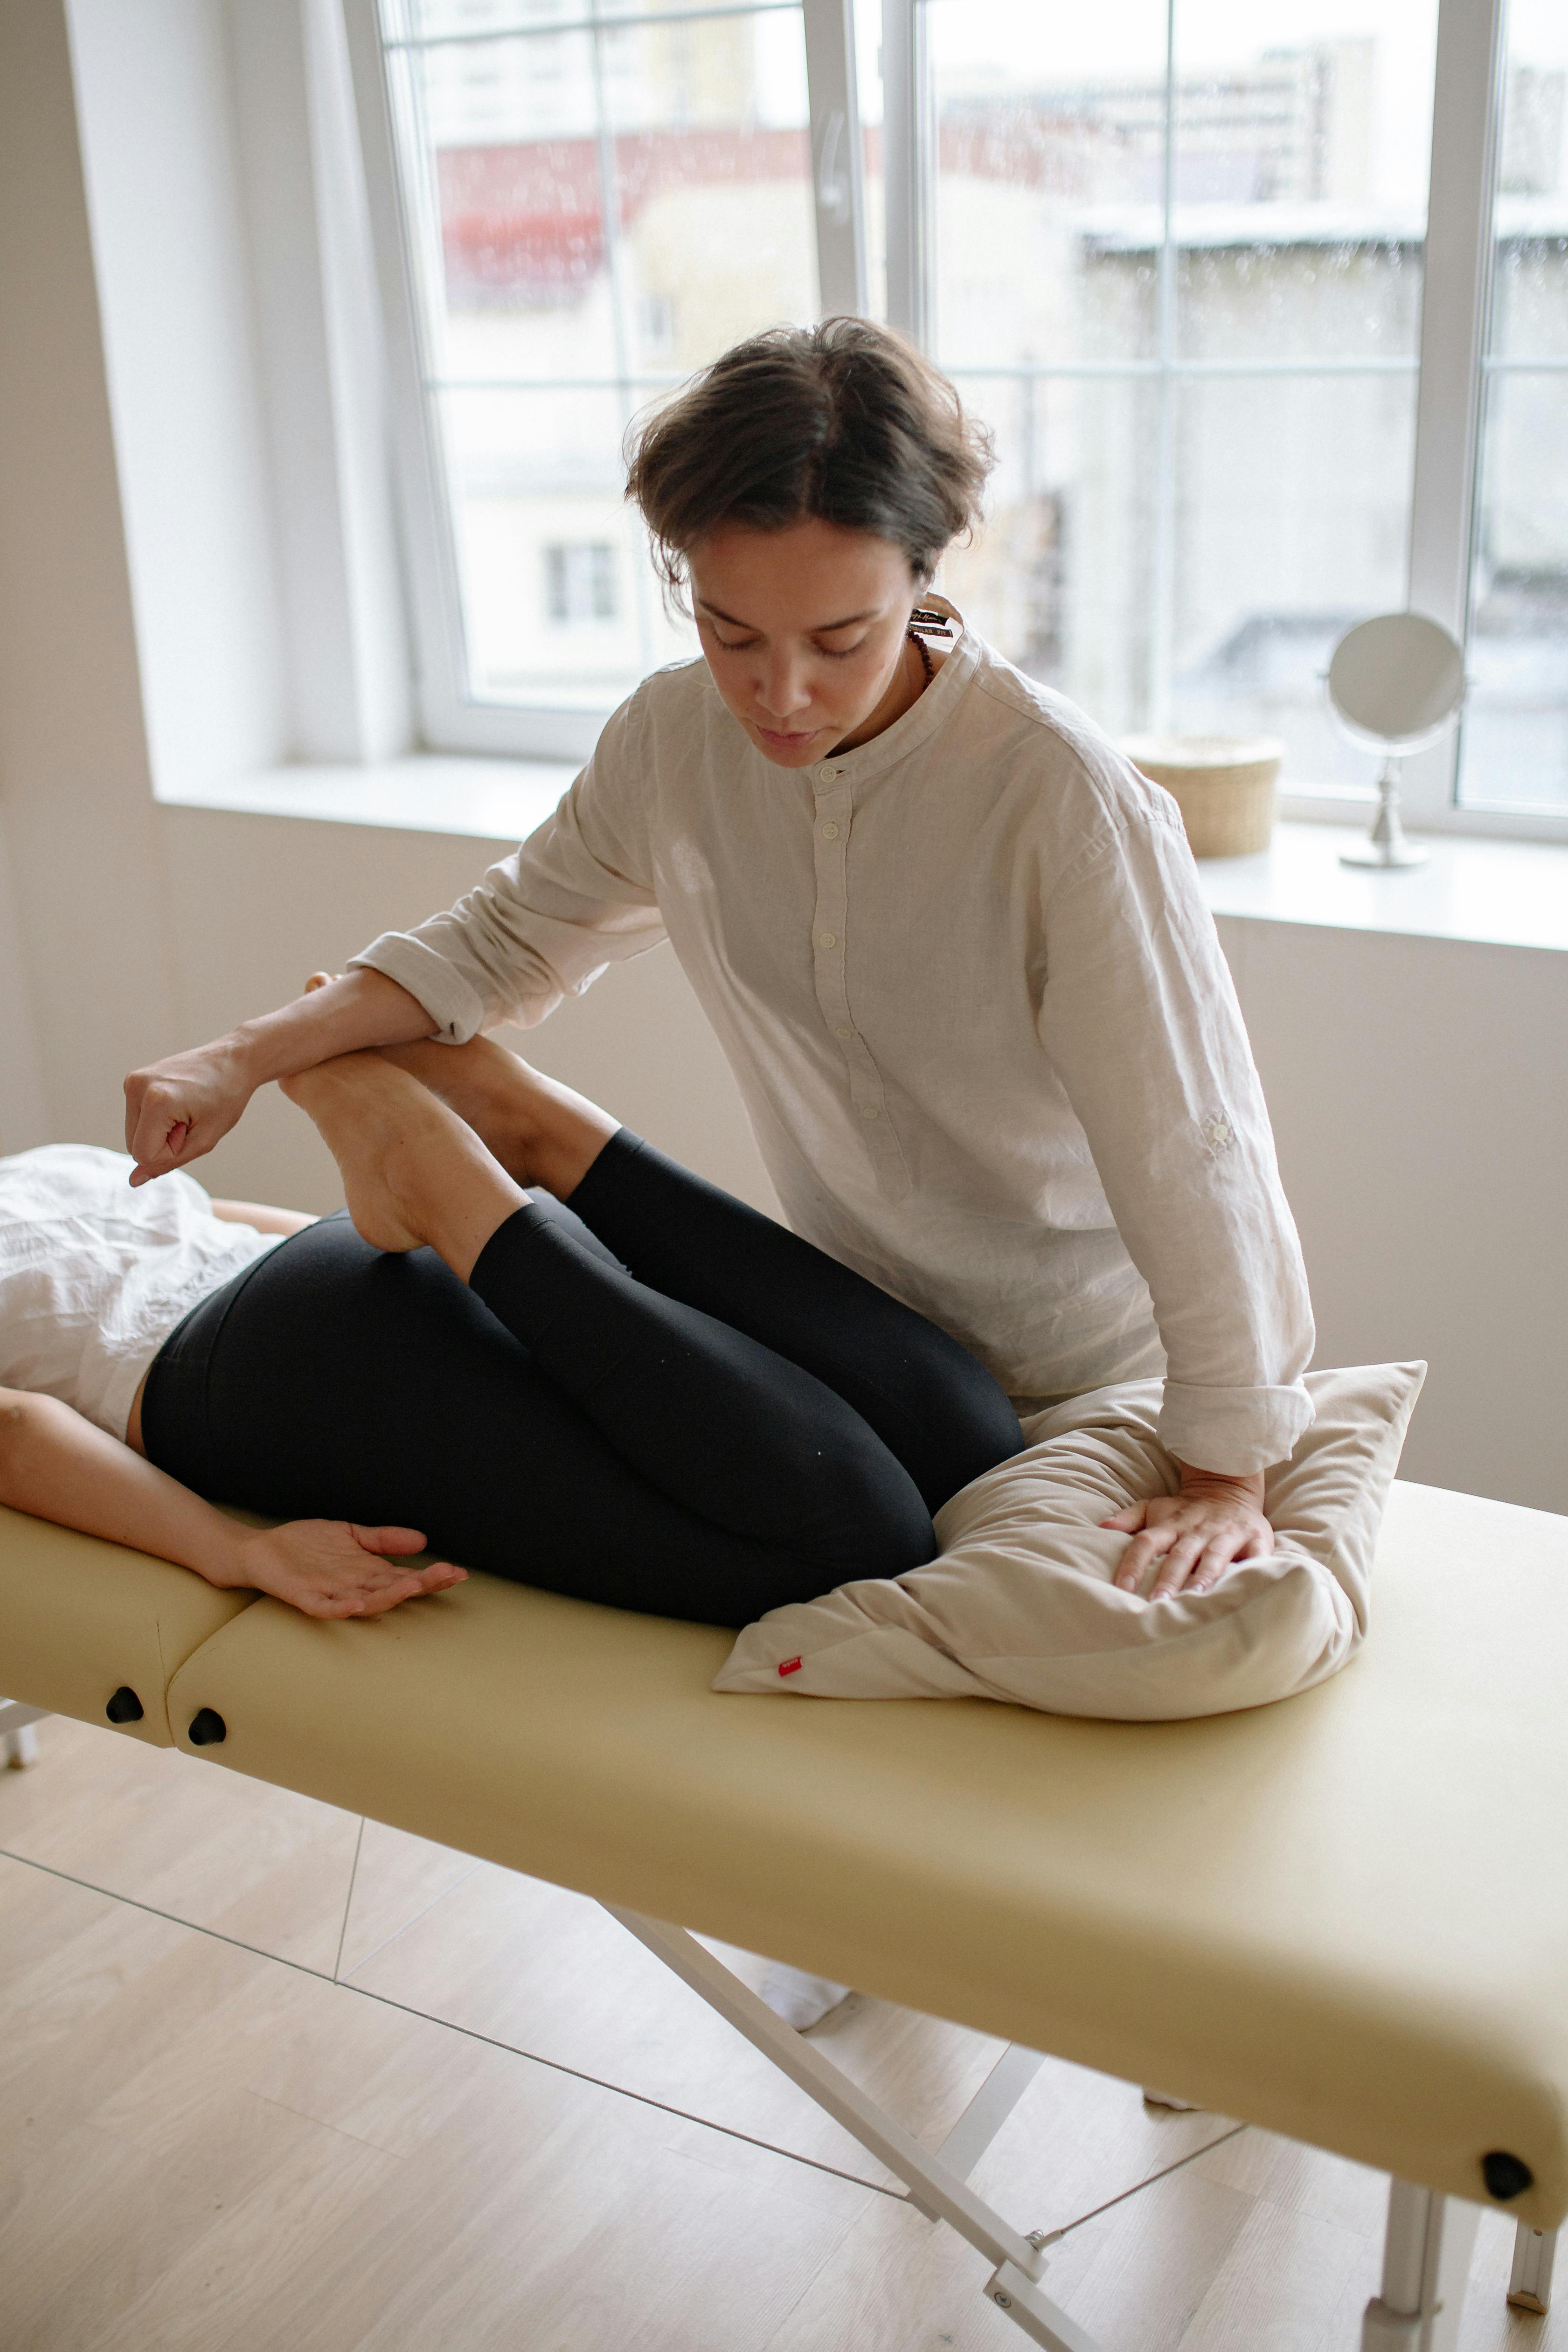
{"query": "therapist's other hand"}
pixel 178 1109
pixel 1187 1541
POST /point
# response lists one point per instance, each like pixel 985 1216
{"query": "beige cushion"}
pixel 1020 1604
pixel 80 1620
pixel 1341 1919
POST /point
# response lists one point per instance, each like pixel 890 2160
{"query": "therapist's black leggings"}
pixel 657 1399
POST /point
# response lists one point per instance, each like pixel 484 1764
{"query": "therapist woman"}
pixel 952 944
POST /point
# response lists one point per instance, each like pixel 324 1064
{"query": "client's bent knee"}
pixel 868 1520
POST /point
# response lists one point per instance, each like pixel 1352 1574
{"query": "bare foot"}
pixel 413 1173
pixel 541 1131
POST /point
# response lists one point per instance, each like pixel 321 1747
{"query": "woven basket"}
pixel 1223 784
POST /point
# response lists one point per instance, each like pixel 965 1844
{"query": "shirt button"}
pixel 830 833
pixel 869 1110
pixel 830 775
pixel 843 1032
pixel 829 939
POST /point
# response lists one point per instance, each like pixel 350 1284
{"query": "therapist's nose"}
pixel 782 690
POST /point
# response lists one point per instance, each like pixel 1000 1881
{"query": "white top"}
pixel 978 1012
pixel 93 1277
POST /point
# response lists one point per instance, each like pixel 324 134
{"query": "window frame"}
pixel 1450 367
pixel 452 717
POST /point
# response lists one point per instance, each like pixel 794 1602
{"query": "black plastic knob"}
pixel 1506 2176
pixel 124 1707
pixel 207 1727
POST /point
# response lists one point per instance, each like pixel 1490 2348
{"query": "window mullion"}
pixel 1455 286
pixel 432 571
pixel 1163 552
pixel 838 178
pixel 908 170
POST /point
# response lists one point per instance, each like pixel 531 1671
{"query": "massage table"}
pixel 1341 1918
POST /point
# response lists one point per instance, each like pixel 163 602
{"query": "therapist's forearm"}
pixel 361 1008
pixel 178 1109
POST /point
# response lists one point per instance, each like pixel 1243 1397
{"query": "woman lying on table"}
pixel 657 1399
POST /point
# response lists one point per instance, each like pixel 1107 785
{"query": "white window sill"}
pixel 1507 893
pixel 491 800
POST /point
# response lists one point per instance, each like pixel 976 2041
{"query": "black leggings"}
pixel 657 1399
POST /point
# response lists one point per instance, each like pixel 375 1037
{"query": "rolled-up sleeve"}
pixel 546 921
pixel 1140 1018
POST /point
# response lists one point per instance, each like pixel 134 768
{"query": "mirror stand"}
pixel 1385 846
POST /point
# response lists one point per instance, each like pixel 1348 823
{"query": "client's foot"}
pixel 413 1173
pixel 541 1131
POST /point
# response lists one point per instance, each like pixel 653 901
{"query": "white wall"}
pixel 306 895
pixel 23 1119
pixel 92 922
pixel 1417 1088
pixel 154 90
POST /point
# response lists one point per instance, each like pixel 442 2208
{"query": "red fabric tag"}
pixel 790 1666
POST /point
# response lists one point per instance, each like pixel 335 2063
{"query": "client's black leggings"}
pixel 657 1399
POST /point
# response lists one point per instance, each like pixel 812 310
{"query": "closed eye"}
pixel 745 644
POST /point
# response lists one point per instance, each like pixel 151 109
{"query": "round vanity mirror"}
pixel 1397 684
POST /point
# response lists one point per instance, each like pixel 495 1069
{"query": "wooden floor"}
pixel 205 2148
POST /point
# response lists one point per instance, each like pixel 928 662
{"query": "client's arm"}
pixel 59 1467
pixel 178 1109
pixel 265 1220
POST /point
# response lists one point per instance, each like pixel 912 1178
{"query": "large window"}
pixel 1515 744
pixel 1252 374
pixel 1182 278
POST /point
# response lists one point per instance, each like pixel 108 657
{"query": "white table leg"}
pixel 1425 2265
pixel 937 2187
pixel 1530 2286
pixel 18 1740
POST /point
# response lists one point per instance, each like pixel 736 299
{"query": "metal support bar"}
pixel 1425 2265
pixel 1530 2281
pixel 934 2190
pixel 989 2110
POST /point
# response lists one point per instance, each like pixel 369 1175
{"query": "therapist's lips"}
pixel 771 735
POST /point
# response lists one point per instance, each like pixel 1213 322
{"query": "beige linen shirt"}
pixel 978 1013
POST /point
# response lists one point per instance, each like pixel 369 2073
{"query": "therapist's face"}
pixel 804 632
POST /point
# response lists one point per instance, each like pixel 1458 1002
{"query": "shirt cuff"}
pixel 1233 1431
pixel 456 1009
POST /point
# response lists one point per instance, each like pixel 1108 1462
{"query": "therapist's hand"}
pixel 178 1108
pixel 1184 1542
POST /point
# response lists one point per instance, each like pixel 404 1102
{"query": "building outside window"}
pixel 580 579
pixel 1175 252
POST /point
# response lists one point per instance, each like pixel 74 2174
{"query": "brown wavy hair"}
pixel 843 423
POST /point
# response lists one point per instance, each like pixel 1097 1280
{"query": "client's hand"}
pixel 1194 1536
pixel 329 1568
